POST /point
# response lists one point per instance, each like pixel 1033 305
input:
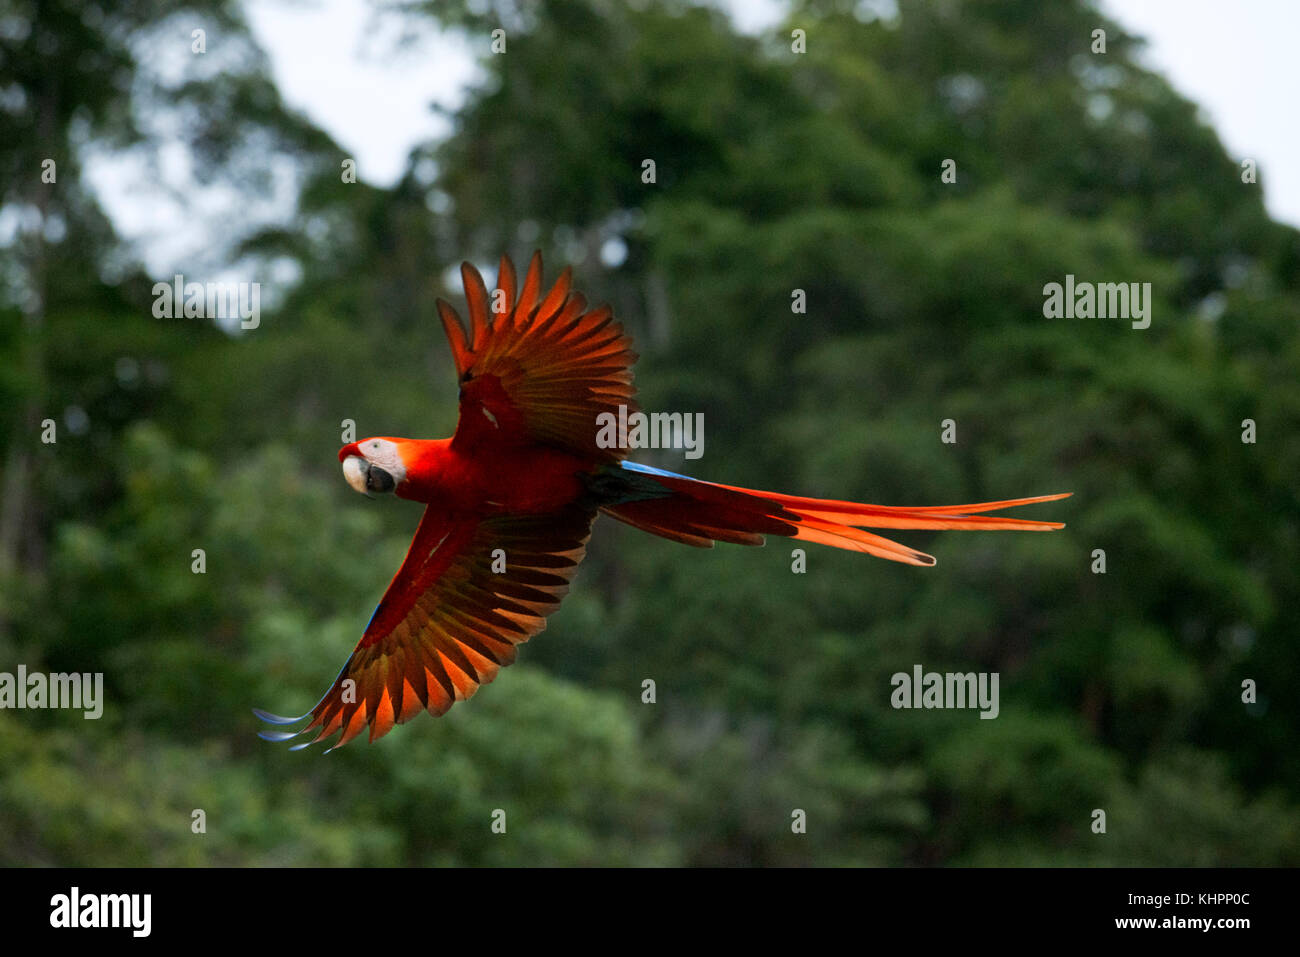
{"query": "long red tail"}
pixel 699 513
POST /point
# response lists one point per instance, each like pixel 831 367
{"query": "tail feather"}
pixel 700 523
pixel 832 505
pixel 855 539
pixel 668 527
pixel 910 518
pixel 699 513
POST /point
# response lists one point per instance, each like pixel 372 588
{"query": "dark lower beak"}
pixel 377 480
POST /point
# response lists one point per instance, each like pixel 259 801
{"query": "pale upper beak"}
pixel 354 470
pixel 366 478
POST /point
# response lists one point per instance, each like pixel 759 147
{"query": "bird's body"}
pixel 488 482
pixel 511 497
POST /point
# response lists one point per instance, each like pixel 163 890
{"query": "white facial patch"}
pixel 384 454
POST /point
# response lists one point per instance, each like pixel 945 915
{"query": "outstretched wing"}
pixel 451 618
pixel 538 369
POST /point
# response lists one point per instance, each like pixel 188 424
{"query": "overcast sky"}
pixel 335 61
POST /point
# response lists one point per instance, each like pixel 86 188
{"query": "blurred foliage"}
pixel 775 171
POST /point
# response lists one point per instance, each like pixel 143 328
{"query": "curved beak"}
pixel 355 470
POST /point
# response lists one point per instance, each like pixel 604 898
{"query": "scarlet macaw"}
pixel 525 474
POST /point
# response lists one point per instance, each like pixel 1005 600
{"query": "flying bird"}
pixel 511 497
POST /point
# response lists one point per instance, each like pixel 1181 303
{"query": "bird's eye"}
pixel 377 480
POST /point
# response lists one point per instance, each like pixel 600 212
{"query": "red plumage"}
pixel 512 495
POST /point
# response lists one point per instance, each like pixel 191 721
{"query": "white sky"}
pixel 1236 59
pixel 335 61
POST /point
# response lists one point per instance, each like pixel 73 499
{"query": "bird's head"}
pixel 373 465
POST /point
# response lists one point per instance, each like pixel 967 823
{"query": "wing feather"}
pixel 544 370
pixel 448 623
